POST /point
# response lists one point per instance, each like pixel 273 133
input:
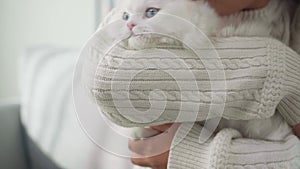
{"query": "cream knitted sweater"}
pixel 267 71
pixel 261 75
pixel 258 78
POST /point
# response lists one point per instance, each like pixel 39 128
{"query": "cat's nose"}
pixel 130 25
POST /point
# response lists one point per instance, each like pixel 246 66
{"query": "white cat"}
pixel 146 16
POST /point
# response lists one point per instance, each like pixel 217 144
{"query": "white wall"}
pixel 25 23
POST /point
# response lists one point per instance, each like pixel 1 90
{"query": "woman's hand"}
pixel 153 152
pixel 227 7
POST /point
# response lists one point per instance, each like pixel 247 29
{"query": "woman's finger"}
pixel 155 162
pixel 155 145
pixel 162 128
pixel 152 146
pixel 142 161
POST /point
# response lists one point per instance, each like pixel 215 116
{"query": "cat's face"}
pixel 148 16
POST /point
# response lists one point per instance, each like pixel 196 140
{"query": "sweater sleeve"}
pixel 289 107
pixel 227 149
pixel 153 87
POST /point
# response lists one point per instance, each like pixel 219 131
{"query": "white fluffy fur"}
pixel 196 13
pixel 204 18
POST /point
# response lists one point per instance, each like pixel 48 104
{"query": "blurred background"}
pixel 24 24
pixel 40 42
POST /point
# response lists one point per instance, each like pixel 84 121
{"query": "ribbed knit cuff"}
pixel 289 106
pixel 227 150
pixel 253 154
pixel 188 153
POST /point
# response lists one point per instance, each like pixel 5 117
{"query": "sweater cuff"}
pixel 289 106
pixel 227 149
pixel 186 152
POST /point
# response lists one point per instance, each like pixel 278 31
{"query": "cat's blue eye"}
pixel 150 12
pixel 125 16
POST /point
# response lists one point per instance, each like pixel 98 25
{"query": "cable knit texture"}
pixel 257 79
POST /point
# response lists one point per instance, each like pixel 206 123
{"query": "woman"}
pixel 223 7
